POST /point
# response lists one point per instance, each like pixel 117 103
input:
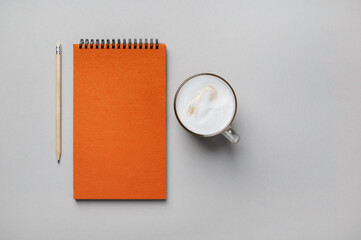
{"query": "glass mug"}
pixel 207 96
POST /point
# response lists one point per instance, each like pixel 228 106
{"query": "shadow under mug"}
pixel 227 131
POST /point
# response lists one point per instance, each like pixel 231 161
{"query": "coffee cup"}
pixel 206 105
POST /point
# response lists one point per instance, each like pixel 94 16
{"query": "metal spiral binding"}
pixel 118 44
pixel 124 43
pixel 81 43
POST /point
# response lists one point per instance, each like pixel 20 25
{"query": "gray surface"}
pixel 295 67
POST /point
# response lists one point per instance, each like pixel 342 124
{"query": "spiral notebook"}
pixel 119 119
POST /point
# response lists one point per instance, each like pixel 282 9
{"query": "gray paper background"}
pixel 296 69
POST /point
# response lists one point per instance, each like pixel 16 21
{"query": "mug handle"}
pixel 231 135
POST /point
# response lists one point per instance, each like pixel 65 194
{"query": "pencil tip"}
pixel 58 156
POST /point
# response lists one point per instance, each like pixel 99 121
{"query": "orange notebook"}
pixel 119 120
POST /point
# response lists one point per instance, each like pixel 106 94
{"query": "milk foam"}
pixel 205 105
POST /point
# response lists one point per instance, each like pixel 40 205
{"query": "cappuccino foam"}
pixel 205 105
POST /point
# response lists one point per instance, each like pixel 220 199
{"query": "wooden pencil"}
pixel 58 101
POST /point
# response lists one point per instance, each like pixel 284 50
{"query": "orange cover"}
pixel 119 123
